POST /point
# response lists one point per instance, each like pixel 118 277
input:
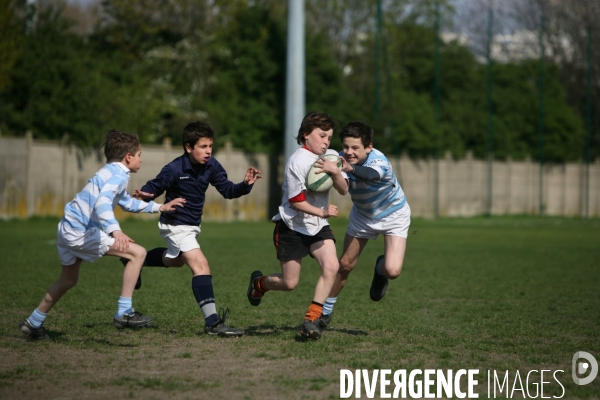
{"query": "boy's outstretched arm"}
pixel 230 190
pixel 252 175
pixel 138 194
pixel 157 186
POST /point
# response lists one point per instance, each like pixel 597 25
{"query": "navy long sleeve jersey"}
pixel 181 178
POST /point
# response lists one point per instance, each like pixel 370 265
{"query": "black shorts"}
pixel 292 245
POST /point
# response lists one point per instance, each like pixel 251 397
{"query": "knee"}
pixel 142 253
pixel 138 253
pixel 394 271
pixel 345 266
pixel 199 268
pixel 289 285
pixel 331 269
pixel 68 281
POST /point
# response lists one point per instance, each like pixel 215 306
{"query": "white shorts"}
pixel 89 245
pixel 180 238
pixel 395 224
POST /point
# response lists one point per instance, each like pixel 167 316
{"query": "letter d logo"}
pixel 582 367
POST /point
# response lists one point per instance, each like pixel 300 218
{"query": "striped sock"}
pixel 123 306
pixel 328 306
pixel 37 318
pixel 204 294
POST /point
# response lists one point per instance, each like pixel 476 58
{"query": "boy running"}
pixel 380 207
pixel 189 176
pixel 301 226
pixel 88 230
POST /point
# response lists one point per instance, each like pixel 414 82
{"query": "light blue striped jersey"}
pixel 379 198
pixel 94 205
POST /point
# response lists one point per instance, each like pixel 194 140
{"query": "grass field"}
pixel 497 294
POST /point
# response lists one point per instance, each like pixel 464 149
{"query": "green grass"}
pixel 495 294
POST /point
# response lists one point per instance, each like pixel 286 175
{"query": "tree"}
pixel 60 86
pixel 11 38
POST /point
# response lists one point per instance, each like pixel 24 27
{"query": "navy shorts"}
pixel 292 245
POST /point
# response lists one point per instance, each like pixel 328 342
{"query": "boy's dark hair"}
pixel 312 120
pixel 194 131
pixel 117 144
pixel 357 129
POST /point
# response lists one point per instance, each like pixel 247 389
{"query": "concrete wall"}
pixel 39 178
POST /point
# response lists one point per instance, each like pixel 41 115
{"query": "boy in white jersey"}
pixel 301 225
pixel 380 207
pixel 89 230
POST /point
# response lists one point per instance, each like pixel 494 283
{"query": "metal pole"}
pixel 295 76
pixel 588 124
pixel 490 126
pixel 436 110
pixel 378 63
pixel 541 119
pixel 32 10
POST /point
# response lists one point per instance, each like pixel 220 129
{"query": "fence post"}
pixel 29 189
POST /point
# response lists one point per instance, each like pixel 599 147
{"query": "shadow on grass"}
pixel 272 330
pixel 301 338
pixel 268 330
pixel 54 336
pixel 103 342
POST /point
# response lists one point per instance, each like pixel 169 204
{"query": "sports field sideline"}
pixel 494 294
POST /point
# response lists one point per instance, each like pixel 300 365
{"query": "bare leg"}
pixel 136 255
pixel 395 248
pixel 325 254
pixel 68 278
pixel 196 260
pixel 353 247
pixel 287 279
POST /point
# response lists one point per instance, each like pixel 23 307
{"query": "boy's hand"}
pixel 326 166
pixel 346 166
pixel 121 240
pixel 332 211
pixel 252 175
pixel 138 194
pixel 171 206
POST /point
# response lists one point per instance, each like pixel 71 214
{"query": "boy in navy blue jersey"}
pixel 188 176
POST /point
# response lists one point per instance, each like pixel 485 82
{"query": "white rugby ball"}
pixel 321 182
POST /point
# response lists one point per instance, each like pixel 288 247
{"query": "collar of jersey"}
pixel 187 164
pixel 122 166
pixel 306 148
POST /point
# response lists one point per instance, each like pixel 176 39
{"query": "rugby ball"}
pixel 321 182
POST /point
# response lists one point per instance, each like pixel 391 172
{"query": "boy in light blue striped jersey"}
pixel 379 207
pixel 89 230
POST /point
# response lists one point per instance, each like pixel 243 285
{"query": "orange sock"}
pixel 260 285
pixel 314 311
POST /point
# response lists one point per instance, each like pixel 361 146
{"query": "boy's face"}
pixel 201 152
pixel 354 151
pixel 134 161
pixel 318 140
